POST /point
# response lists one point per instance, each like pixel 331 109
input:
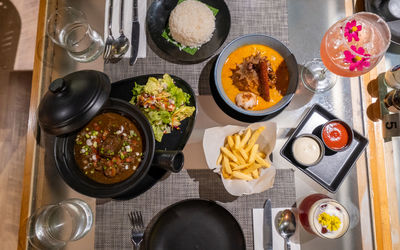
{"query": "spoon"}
pixel 122 42
pixel 285 223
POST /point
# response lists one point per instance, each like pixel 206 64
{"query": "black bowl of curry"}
pixel 108 149
pixel 109 156
pixel 255 76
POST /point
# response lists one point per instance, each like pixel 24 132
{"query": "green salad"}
pixel 163 103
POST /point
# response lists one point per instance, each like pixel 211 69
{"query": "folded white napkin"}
pixel 127 25
pixel 278 241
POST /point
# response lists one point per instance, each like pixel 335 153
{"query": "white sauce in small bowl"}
pixel 306 150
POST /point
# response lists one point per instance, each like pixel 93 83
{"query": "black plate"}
pixel 157 20
pixel 379 7
pixel 195 224
pixel 176 140
pixel 334 167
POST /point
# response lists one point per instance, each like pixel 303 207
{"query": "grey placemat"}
pixel 113 228
pixel 247 16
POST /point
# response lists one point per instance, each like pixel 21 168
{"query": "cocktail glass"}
pixel 351 47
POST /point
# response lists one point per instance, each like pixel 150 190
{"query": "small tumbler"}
pixel 68 28
pixel 53 226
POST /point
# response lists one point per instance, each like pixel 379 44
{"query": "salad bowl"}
pixel 176 140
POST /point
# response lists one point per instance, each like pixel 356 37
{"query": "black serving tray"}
pixel 334 166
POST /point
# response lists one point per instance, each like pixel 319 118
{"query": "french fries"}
pixel 240 157
pixel 254 138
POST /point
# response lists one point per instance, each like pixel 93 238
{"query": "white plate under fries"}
pixel 214 139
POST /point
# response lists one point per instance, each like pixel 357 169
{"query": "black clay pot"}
pixel 65 121
pixel 73 176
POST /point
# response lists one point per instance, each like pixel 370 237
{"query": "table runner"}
pixel 112 226
pixel 256 16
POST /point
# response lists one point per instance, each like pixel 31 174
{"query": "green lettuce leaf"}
pixel 181 114
pixel 137 90
pixel 153 86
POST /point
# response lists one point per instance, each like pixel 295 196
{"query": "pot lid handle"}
pixel 57 86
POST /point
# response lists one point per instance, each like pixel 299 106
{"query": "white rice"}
pixel 192 23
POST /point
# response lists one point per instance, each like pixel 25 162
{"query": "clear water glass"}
pixel 53 226
pixel 68 28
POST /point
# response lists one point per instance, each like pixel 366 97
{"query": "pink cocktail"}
pixel 351 47
pixel 355 45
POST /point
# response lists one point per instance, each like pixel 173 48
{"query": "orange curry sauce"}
pixel 277 62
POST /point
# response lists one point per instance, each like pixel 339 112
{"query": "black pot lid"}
pixel 72 101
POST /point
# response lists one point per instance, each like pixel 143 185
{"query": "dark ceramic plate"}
pixel 380 8
pixel 211 227
pixel 157 21
pixel 173 141
pixel 334 166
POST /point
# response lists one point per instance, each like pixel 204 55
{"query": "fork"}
pixel 110 41
pixel 137 228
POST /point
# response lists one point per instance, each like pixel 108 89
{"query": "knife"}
pixel 267 226
pixel 135 34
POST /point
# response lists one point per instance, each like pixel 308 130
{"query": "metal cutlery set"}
pixel 285 224
pixel 137 230
pixel 115 48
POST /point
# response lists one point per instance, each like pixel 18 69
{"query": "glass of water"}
pixel 53 226
pixel 69 28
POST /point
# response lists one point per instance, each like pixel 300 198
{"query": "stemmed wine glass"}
pixel 351 47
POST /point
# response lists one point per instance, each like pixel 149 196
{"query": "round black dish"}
pixel 230 111
pixel 157 21
pixel 211 227
pixel 230 107
pixel 73 176
pixel 176 140
pixel 381 9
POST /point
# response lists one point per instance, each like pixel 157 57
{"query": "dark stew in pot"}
pixel 108 149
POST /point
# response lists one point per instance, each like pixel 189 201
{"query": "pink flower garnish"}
pixel 351 30
pixel 356 61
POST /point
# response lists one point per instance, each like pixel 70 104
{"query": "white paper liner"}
pixel 214 139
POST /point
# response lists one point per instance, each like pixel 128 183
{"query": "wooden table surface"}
pixel 373 168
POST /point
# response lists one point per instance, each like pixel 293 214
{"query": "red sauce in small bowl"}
pixel 335 135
